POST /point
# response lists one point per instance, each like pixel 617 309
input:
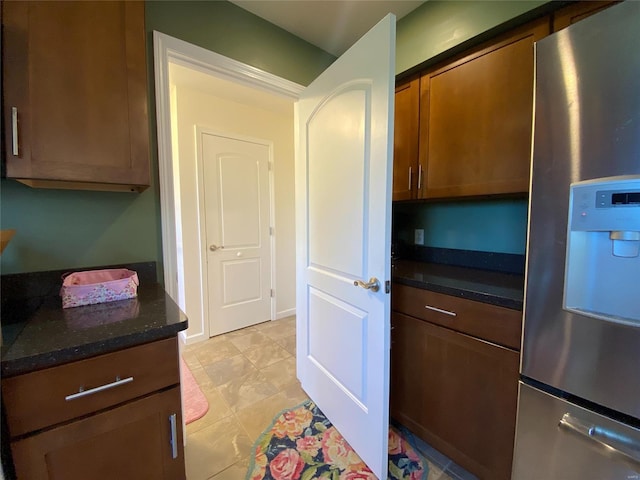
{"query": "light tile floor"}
pixel 248 376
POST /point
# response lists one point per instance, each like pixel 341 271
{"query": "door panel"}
pixel 343 218
pixel 326 349
pixel 337 132
pixel 236 194
pixel 241 281
pixel 239 179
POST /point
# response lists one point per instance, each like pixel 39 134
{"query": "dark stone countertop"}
pixel 495 288
pixel 38 333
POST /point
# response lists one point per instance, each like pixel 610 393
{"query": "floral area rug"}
pixel 301 444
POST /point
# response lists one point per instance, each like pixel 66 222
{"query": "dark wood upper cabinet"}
pixel 476 118
pixel 577 11
pixel 406 169
pixel 75 94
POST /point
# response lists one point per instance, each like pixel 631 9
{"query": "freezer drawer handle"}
pixel 611 440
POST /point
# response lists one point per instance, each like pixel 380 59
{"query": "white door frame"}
pixel 201 130
pixel 167 49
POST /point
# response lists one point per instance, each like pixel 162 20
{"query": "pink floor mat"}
pixel 194 403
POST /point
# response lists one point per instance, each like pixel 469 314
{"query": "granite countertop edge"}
pixel 38 333
pixel 53 358
pixel 476 290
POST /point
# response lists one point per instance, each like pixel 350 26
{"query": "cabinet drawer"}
pixel 100 446
pixel 41 399
pixel 499 325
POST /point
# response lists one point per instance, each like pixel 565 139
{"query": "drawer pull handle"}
pixel 83 393
pixel 614 442
pixel 173 440
pixel 439 310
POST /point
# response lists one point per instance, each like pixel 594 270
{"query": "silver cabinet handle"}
pixel 213 248
pixel 410 175
pixel 173 440
pixel 439 310
pixel 83 393
pixel 419 176
pixel 373 284
pixel 612 441
pixel 14 131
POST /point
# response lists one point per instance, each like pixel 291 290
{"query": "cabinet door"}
pixel 479 113
pixel 75 94
pixel 456 392
pixel 133 441
pixel 406 170
pixel 577 11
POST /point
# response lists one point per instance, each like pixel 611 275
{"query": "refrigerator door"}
pixel 587 126
pixel 545 449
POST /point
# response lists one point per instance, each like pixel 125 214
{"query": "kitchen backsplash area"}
pixel 486 234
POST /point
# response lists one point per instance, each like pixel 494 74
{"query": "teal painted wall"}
pixel 483 225
pixel 59 229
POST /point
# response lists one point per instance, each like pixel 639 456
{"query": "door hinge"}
pixel 272 293
pixel 270 166
pixel 270 230
pixel 387 286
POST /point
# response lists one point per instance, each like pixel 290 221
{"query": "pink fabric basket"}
pixel 98 286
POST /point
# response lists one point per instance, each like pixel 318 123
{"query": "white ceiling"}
pixel 332 25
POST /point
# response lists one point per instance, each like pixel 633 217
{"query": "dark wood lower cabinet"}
pixel 132 441
pixel 456 392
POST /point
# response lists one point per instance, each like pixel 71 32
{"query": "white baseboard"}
pixel 285 313
pixel 189 339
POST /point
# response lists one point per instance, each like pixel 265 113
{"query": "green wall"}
pixel 438 26
pixel 233 32
pixel 59 229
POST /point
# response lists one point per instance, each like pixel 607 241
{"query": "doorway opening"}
pixel 198 90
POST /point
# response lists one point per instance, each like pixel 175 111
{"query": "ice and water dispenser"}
pixel 602 275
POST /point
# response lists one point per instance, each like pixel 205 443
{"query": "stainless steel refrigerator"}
pixel 579 397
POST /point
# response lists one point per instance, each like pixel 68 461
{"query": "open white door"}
pixel 344 145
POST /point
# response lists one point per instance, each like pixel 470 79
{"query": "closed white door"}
pixel 237 216
pixel 343 219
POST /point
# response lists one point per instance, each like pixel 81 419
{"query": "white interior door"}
pixel 237 217
pixel 343 224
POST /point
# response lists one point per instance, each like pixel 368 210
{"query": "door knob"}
pixel 213 248
pixel 372 284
